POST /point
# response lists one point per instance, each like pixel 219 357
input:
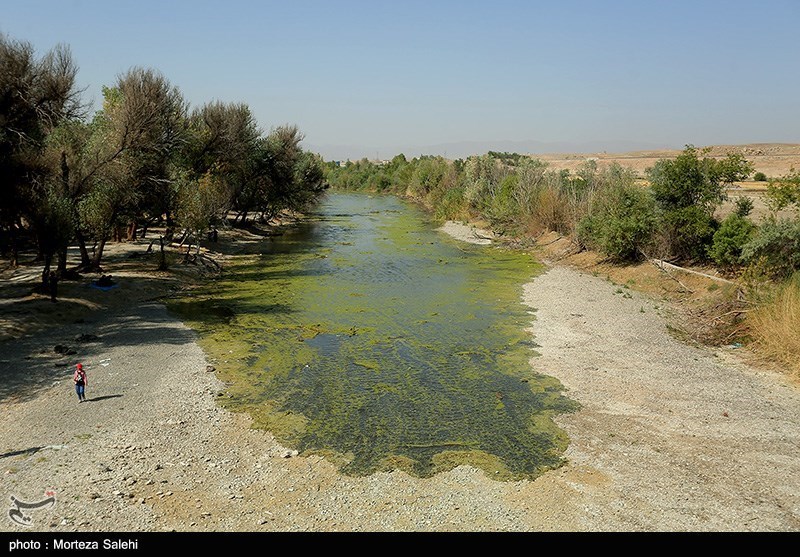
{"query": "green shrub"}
pixel 687 190
pixel 501 208
pixel 775 248
pixel 784 191
pixel 760 177
pixel 621 223
pixel 690 232
pixel 732 235
pixel 452 205
pixel 744 206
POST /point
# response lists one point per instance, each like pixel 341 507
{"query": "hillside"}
pixel 773 159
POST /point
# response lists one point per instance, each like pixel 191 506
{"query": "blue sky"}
pixel 381 76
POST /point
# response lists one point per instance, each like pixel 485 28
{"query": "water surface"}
pixel 367 336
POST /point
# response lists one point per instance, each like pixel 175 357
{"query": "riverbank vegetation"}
pixel 670 214
pixel 145 159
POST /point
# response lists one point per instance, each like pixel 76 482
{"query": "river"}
pixel 367 336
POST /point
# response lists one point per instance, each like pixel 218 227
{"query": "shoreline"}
pixel 670 436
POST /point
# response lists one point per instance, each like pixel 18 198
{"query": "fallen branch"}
pixel 663 263
pixel 736 311
pixel 659 265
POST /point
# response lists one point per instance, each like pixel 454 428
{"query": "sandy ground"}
pixel 670 437
pixel 773 159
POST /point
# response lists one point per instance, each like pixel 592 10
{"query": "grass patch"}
pixel 775 325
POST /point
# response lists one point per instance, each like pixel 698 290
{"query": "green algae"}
pixel 366 336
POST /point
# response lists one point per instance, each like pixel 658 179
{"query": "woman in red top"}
pixel 80 382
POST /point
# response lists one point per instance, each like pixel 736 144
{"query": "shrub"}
pixel 690 231
pixel 775 248
pixel 744 206
pixel 784 191
pixel 733 234
pixel 500 206
pixel 760 177
pixel 687 190
pixel 452 205
pixel 549 210
pixel 621 223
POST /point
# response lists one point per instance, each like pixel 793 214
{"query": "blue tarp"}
pixel 103 288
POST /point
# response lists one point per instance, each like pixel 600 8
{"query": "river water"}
pixel 367 336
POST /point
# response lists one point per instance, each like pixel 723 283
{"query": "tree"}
pixel 621 222
pixel 294 178
pixel 687 190
pixel 36 95
pixel 200 202
pixel 784 192
pixel 223 140
pixel 734 168
pixel 121 158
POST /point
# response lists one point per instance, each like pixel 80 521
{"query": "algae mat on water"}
pixel 369 337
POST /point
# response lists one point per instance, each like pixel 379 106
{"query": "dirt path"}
pixel 670 437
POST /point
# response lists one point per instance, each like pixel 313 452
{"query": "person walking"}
pixel 80 382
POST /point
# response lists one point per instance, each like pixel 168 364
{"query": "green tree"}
pixel 687 191
pixel 784 192
pixel 118 165
pixel 734 168
pixel 621 222
pixel 36 95
pixel 200 203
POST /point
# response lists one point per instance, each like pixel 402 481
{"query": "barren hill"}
pixel 773 159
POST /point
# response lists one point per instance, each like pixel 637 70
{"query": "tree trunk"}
pixel 40 255
pixel 188 254
pixel 85 261
pixel 162 264
pixel 144 229
pixel 62 262
pixel 12 231
pixel 184 238
pixel 132 230
pixel 98 255
pixel 48 259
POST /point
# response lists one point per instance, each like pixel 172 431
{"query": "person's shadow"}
pixel 99 398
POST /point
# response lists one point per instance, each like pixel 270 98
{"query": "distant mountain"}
pixel 462 149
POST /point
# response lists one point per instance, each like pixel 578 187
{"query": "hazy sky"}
pixel 382 74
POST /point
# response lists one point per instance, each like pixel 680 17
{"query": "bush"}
pixel 500 205
pixel 760 177
pixel 621 223
pixel 733 234
pixel 687 190
pixel 744 206
pixel 690 232
pixel 775 248
pixel 784 191
pixel 452 205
